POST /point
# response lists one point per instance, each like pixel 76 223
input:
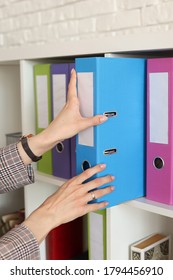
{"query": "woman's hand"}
pixel 70 202
pixel 67 123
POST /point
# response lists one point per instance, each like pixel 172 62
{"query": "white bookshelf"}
pixel 126 223
pixel 10 121
pixel 152 206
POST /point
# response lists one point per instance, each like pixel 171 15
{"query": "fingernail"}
pixel 103 165
pixel 112 188
pixel 112 177
pixel 72 70
pixel 103 119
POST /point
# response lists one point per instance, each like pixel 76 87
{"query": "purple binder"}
pixel 61 157
pixel 73 139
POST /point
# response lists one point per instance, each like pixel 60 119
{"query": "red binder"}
pixel 66 241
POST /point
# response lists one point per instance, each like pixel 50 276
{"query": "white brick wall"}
pixel 24 22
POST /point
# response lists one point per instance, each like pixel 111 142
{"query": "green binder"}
pixel 42 88
pixel 97 235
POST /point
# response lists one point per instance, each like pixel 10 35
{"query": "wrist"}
pixel 30 149
pixel 49 136
pixel 39 224
pixel 25 144
pixel 39 144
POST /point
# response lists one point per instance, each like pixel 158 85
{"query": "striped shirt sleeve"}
pixel 19 244
pixel 13 173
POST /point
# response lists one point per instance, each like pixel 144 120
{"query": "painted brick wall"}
pixel 25 22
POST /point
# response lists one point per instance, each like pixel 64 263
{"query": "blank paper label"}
pixel 42 101
pixel 96 236
pixel 85 95
pixel 59 93
pixel 158 88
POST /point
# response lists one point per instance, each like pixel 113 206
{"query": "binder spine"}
pixel 97 247
pixel 60 153
pixel 42 89
pixel 159 185
pixel 118 86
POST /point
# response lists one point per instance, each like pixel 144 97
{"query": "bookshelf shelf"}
pixel 50 179
pixel 140 203
pixel 152 206
pixel 128 222
pixel 134 43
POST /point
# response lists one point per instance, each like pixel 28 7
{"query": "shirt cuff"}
pixel 14 173
pixel 19 244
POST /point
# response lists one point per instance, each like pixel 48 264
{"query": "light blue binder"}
pixel 115 87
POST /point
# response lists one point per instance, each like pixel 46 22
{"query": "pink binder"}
pixel 160 130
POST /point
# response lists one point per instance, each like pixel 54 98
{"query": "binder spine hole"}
pixel 85 165
pixel 110 114
pixel 158 163
pixel 110 152
pixel 60 147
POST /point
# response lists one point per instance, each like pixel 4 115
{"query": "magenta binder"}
pixel 72 140
pixel 61 153
pixel 160 130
